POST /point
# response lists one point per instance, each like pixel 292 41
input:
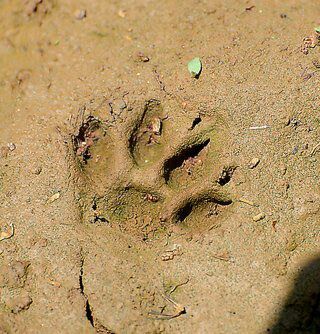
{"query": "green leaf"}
pixel 317 29
pixel 194 67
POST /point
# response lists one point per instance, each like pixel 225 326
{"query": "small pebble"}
pixel 254 163
pixel 294 122
pixel 122 13
pixel 295 150
pixel 316 63
pixel 11 146
pixel 122 105
pixel 80 14
pixel 259 216
pixel 38 170
pixel 54 197
pixel 142 57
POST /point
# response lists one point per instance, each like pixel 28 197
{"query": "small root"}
pixel 172 290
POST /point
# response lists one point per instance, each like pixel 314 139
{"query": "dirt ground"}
pixel 135 198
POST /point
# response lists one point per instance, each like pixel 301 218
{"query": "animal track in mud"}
pixel 157 167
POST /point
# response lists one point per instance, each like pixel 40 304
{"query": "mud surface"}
pixel 135 198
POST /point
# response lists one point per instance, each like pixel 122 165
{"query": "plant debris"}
pixel 261 127
pixel 179 310
pixel 315 149
pixel 174 288
pixel 195 67
pixel 7 234
pixel 223 257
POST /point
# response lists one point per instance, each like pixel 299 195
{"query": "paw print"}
pixel 152 168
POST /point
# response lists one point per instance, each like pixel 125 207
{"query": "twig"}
pixel 246 201
pixel 259 127
pixel 223 258
pixel 162 316
pixel 178 285
pixel 314 149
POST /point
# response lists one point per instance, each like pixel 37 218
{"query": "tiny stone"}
pixel 53 198
pixel 283 168
pixel 316 63
pixel 295 150
pixel 254 163
pixel 43 242
pixel 38 170
pixel 122 13
pixel 258 217
pixel 294 122
pixel 11 146
pixel 122 105
pixel 142 57
pixel 80 14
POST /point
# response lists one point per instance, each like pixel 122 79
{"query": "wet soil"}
pixel 128 198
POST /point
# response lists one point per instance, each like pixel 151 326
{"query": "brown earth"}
pixel 127 183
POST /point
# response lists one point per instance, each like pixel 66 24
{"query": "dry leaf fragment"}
pixel 7 235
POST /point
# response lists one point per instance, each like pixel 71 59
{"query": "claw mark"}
pixel 177 160
pixel 195 122
pixel 226 175
pixel 182 210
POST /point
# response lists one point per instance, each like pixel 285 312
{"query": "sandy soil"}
pixel 135 198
